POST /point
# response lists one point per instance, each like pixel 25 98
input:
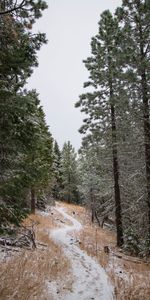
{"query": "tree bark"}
pixel 146 141
pixel 96 217
pixel 118 211
pixel 32 200
pixel 69 194
pixel 92 205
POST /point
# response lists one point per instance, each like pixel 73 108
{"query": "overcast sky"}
pixel 69 26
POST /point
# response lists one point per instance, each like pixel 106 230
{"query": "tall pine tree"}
pixel 100 105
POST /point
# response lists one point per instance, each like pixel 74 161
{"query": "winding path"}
pixel 90 279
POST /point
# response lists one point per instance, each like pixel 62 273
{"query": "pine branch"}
pixel 21 5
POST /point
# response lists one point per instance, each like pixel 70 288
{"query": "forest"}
pixel 110 174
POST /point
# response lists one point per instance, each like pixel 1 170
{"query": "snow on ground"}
pixel 2 255
pixel 90 279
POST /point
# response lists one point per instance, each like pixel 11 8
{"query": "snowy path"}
pixel 90 279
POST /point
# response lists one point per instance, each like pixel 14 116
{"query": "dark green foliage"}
pixel 117 118
pixel 103 103
pixel 11 214
pixel 25 141
pixel 131 242
pixel 69 171
pixel 134 17
pixel 57 174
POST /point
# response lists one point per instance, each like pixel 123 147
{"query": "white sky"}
pixel 69 26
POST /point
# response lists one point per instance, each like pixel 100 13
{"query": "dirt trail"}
pixel 89 278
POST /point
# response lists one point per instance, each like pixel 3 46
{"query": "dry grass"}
pixel 26 275
pixel 130 276
pixel 81 213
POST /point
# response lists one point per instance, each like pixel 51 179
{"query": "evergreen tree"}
pixel 69 173
pixel 95 182
pixel 27 8
pixel 38 160
pixel 101 104
pixel 134 18
pixel 57 176
pixel 25 142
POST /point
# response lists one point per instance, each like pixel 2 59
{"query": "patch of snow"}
pixel 90 279
pixel 43 213
pixel 54 288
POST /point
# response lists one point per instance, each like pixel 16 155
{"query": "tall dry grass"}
pixel 25 276
pixel 130 277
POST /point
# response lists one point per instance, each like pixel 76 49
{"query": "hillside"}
pixel 70 262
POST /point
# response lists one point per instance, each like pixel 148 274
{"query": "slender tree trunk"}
pixel 92 216
pixel 118 210
pixel 96 217
pixel 32 200
pixel 92 205
pixel 146 124
pixel 69 196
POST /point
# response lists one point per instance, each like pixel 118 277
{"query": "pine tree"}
pixel 57 176
pixel 38 160
pixel 25 142
pixel 69 173
pixel 95 183
pixel 101 104
pixel 134 18
pixel 27 8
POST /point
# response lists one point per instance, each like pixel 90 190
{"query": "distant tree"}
pixel 69 173
pixel 95 183
pixel 57 176
pixel 38 160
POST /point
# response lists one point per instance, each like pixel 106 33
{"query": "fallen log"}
pixel 24 238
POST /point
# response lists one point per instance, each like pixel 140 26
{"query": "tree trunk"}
pixel 32 200
pixel 92 216
pixel 92 205
pixel 69 185
pixel 96 217
pixel 146 122
pixel 118 210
